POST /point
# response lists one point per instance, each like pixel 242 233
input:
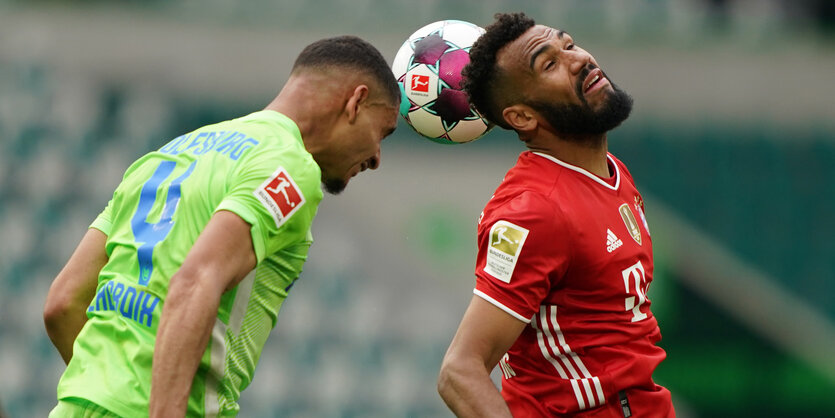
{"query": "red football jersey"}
pixel 570 254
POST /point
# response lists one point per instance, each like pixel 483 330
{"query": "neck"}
pixel 313 113
pixel 588 153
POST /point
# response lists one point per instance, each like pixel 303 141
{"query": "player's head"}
pixel 524 76
pixel 353 54
pixel 349 100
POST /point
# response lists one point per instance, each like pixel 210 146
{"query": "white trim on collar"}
pixel 585 172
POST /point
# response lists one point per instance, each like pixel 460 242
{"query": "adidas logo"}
pixel 612 241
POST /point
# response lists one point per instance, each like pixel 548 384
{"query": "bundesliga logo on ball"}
pixel 428 68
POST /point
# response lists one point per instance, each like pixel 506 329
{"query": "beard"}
pixel 577 120
pixel 334 186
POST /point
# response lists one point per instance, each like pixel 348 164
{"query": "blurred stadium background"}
pixel 731 141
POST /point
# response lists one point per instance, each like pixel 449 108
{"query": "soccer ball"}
pixel 428 68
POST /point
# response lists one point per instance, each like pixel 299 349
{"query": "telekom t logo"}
pixel 420 83
pixel 635 282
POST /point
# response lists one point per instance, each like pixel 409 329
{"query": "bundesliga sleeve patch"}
pixel 506 241
pixel 280 196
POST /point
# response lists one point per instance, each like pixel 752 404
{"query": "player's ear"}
pixel 357 97
pixel 520 118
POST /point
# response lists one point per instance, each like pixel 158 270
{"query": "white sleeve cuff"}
pixel 500 306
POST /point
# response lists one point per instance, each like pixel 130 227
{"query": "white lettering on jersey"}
pixel 637 275
pixel 503 248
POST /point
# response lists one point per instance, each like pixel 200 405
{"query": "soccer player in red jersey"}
pixel 565 254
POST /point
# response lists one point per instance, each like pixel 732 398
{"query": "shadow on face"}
pixel 358 146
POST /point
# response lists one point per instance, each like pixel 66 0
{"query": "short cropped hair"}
pixel 483 80
pixel 353 53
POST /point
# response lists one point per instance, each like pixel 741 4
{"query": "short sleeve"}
pixel 521 254
pixel 276 192
pixel 104 222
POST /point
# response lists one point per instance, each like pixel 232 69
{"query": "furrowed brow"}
pixel 544 48
pixel 539 51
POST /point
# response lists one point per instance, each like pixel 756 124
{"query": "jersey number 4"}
pixel 148 235
pixel 635 281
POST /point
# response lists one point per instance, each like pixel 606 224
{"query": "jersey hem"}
pixel 499 305
pixel 109 404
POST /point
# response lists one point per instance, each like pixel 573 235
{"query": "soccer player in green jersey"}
pixel 165 306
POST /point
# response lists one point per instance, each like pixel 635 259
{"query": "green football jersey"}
pixel 255 166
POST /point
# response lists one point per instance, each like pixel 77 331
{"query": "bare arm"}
pixel 65 310
pixel 485 334
pixel 218 261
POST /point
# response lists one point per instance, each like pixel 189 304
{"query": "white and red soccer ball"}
pixel 428 67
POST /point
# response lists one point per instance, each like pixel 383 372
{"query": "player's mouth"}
pixel 594 81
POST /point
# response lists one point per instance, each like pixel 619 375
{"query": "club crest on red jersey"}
pixel 280 196
pixel 639 206
pixel 630 222
pixel 506 241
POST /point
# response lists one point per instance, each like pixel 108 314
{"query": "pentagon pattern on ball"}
pixel 429 50
pixel 428 67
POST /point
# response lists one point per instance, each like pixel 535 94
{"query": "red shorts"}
pixel 640 403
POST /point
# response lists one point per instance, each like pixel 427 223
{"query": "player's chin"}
pixel 334 185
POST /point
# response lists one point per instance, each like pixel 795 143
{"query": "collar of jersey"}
pixel 585 172
pixel 281 119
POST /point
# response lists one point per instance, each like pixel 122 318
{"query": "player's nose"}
pixel 579 59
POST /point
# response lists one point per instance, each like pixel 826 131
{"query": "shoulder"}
pixel 270 128
pixel 280 144
pixel 531 173
pixel 531 187
pixel 525 210
pixel 519 202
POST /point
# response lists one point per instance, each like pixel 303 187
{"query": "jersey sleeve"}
pixel 104 221
pixel 520 254
pixel 286 265
pixel 276 195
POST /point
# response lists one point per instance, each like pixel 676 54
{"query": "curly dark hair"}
pixel 354 53
pixel 482 78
